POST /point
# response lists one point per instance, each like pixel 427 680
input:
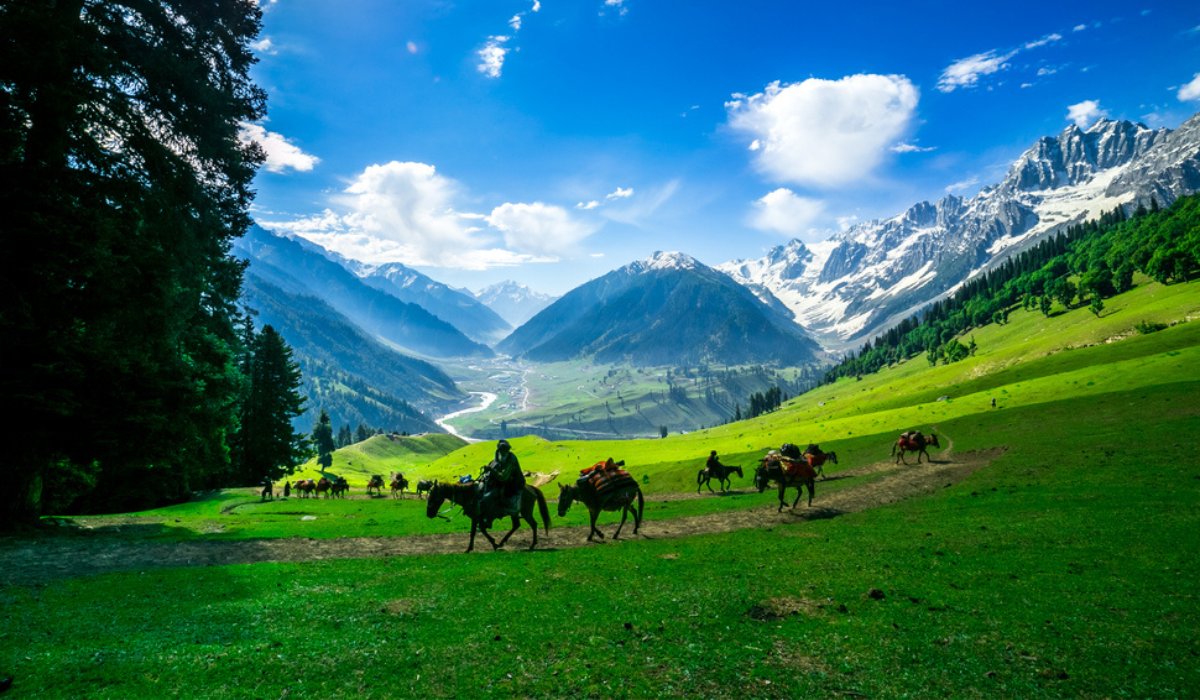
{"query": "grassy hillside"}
pixel 1065 567
pixel 383 454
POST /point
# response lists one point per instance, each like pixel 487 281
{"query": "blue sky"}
pixel 552 141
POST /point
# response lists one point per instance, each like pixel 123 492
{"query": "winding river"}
pixel 488 399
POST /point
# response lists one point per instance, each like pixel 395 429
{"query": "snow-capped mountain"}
pixel 458 308
pixel 515 303
pixel 668 309
pixel 872 275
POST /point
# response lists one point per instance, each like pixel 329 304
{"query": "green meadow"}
pixel 1064 567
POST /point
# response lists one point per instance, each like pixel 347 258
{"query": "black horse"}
pixel 618 499
pixel 468 496
pixel 423 486
pixel 721 473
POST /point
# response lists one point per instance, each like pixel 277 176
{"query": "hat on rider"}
pixel 503 446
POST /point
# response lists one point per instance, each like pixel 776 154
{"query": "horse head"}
pixel 932 440
pixel 437 495
pixel 566 495
pixel 831 456
pixel 738 469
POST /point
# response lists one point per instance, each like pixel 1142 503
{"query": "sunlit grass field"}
pixel 1066 567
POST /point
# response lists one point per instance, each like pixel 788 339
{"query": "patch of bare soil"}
pixel 32 560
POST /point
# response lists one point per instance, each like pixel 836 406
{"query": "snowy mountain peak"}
pixel 671 260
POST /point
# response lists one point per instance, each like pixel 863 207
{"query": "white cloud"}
pixel 537 6
pixel 620 193
pixel 588 205
pixel 1085 113
pixel 264 45
pixel 539 229
pixel 281 153
pixel 783 211
pixel 962 185
pixel 1048 39
pixel 411 47
pixel 491 56
pixel 1190 91
pixel 1079 28
pixel 911 148
pixel 515 22
pixel 825 132
pixel 965 72
pixel 618 5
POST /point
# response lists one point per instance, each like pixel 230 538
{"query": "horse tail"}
pixel 894 446
pixel 543 508
pixel 700 476
pixel 641 504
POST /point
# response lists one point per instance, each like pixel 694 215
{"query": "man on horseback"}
pixel 503 484
pixel 713 465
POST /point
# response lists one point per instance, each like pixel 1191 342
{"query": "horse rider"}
pixel 505 481
pixel 713 465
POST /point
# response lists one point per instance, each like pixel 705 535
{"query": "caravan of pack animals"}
pixel 502 490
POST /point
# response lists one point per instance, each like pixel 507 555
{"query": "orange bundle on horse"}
pixel 399 483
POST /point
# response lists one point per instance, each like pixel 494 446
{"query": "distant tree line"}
pixel 1083 265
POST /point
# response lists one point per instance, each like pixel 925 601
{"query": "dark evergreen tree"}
pixel 122 182
pixel 344 437
pixel 322 437
pixel 271 447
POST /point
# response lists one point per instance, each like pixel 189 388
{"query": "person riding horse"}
pixel 502 485
pixel 713 464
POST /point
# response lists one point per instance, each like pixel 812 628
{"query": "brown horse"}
pixel 796 474
pixel 468 495
pixel 721 473
pixel 376 485
pixel 914 442
pixel 618 499
pixel 340 487
pixel 305 487
pixel 324 486
pixel 817 460
pixel 399 483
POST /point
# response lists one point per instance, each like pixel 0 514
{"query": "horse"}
pixel 797 474
pixel 324 486
pixel 305 487
pixel 618 499
pixel 769 470
pixel 914 442
pixel 376 485
pixel 423 486
pixel 399 483
pixel 468 495
pixel 340 487
pixel 721 473
pixel 817 460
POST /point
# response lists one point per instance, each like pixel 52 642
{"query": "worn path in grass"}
pixel 35 560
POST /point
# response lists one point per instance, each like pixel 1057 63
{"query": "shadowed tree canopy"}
pixel 271 447
pixel 123 181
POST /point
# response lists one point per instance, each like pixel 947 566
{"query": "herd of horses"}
pixel 787 468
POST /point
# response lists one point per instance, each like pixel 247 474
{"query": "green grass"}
pixel 1065 568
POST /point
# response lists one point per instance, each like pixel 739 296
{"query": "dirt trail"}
pixel 38 559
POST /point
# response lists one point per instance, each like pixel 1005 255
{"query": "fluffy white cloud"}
pixel 264 45
pixel 783 211
pixel 281 153
pixel 491 56
pixel 1085 113
pixel 1190 91
pixel 539 229
pixel 620 193
pixel 824 133
pixel 590 204
pixel 965 72
pixel 618 5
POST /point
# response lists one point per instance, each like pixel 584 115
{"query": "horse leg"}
pixel 532 525
pixel 624 515
pixel 782 500
pixel 471 544
pixel 811 488
pixel 516 523
pixel 595 531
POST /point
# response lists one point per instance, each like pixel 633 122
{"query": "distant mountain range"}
pixel 515 303
pixel 869 277
pixel 471 316
pixel 349 374
pixel 667 310
pixel 303 268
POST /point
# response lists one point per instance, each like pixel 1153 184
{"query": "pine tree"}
pixel 322 437
pixel 122 182
pixel 272 448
